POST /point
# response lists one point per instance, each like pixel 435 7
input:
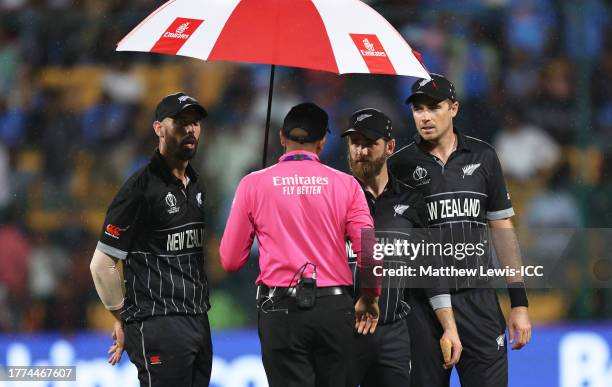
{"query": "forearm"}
pixel 446 318
pixel 234 251
pixel 507 248
pixel 509 255
pixel 107 280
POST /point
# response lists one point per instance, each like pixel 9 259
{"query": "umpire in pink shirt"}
pixel 302 212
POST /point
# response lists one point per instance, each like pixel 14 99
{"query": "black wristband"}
pixel 517 294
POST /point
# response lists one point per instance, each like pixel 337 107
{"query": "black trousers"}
pixel 383 359
pixel 312 347
pixel 171 350
pixel 482 330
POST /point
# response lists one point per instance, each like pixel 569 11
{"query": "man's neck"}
pixel 444 146
pixel 311 149
pixel 376 185
pixel 177 167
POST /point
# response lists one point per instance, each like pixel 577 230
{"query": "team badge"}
pixel 400 209
pixel 420 176
pixel 469 169
pixel 171 203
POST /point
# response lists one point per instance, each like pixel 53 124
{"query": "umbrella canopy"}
pixel 338 36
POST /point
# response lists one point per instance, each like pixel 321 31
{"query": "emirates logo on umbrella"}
pixel 370 50
pixel 182 28
pixel 373 53
pixel 176 35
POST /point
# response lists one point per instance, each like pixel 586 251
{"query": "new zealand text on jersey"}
pixel 185 239
pixel 453 208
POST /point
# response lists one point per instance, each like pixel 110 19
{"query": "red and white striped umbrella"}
pixel 339 36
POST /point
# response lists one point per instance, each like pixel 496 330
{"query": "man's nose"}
pixel 425 116
pixel 190 128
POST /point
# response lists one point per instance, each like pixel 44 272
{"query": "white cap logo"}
pixel 362 117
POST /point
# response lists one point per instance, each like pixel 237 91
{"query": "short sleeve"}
pixel 499 205
pixel 121 222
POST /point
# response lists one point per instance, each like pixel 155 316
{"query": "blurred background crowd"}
pixel 534 78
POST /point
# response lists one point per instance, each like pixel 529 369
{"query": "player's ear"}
pixel 454 107
pixel 390 147
pixel 283 139
pixel 157 127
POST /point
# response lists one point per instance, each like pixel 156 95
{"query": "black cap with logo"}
pixel 438 88
pixel 308 117
pixel 372 123
pixel 173 104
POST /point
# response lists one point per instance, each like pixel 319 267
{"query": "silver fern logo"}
pixel 469 169
pixel 362 117
pixel 400 209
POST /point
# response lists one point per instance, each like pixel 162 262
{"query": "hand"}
pixel 519 327
pixel 452 336
pixel 116 350
pixel 366 315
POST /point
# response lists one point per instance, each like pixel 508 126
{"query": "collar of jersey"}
pixel 462 144
pixel 159 164
pixel 392 185
pixel 299 152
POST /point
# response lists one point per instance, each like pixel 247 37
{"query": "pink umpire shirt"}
pixel 301 211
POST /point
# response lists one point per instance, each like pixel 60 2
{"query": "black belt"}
pixel 265 291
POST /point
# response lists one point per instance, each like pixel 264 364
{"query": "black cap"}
pixel 372 123
pixel 173 104
pixel 308 117
pixel 437 88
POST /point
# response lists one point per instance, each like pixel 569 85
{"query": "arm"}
pixel 239 232
pixel 447 320
pixel 508 253
pixel 360 231
pixel 107 280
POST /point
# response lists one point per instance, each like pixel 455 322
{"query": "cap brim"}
pixel 367 133
pixel 199 107
pixel 437 98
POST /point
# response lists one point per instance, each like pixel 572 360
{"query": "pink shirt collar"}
pixel 299 152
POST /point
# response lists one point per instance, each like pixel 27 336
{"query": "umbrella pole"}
pixel 270 92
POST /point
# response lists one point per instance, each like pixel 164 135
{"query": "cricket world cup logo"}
pixel 419 173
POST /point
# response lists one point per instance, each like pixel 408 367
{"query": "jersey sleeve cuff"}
pixel 440 301
pixel 111 251
pixel 501 214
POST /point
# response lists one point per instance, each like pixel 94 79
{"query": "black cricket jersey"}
pixel 398 209
pixel 156 225
pixel 461 195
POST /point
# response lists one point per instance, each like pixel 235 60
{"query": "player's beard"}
pixel 176 148
pixel 366 169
